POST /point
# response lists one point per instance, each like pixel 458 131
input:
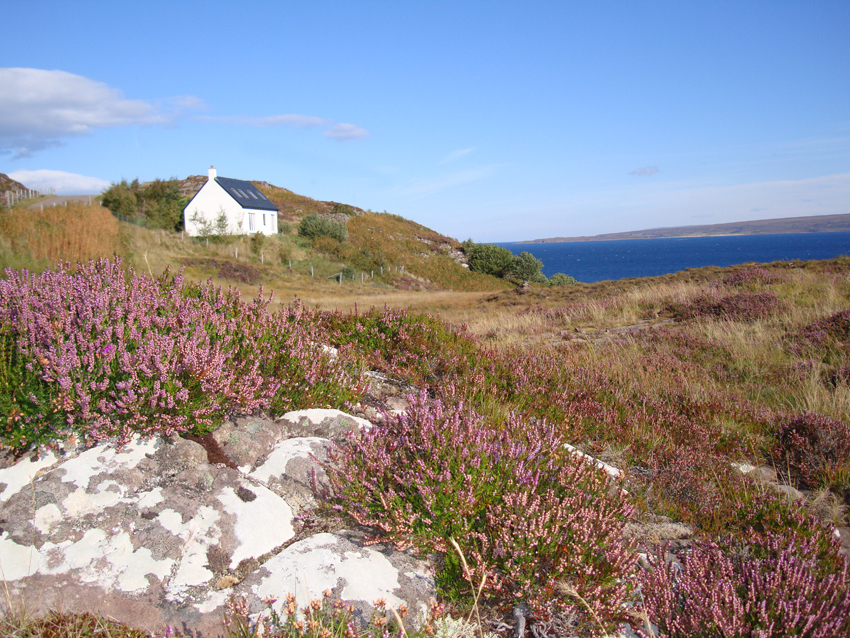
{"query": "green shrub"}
pixel 314 226
pixel 257 241
pixel 159 202
pixel 560 279
pixel 490 259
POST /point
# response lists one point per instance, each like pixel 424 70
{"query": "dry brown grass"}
pixel 78 232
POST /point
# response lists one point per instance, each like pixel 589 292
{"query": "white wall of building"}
pixel 212 200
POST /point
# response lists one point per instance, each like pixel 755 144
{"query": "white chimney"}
pixel 212 173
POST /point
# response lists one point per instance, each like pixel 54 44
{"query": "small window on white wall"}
pixel 264 219
pixel 251 222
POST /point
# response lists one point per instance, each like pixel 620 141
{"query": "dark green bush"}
pixel 121 198
pixel 489 259
pixel 313 226
pixel 158 202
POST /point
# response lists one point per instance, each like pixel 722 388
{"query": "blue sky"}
pixel 493 120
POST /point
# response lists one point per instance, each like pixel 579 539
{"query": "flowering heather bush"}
pixel 815 448
pixel 771 586
pixel 753 276
pixel 526 513
pixel 756 514
pixel 833 331
pixel 102 355
pixel 738 307
pixel 419 349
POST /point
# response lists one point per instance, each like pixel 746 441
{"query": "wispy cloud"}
pixel 425 187
pixel 39 109
pixel 346 132
pixel 299 121
pixel 645 171
pixel 339 132
pixel 64 183
pixel 451 157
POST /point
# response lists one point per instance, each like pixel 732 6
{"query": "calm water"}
pixel 600 260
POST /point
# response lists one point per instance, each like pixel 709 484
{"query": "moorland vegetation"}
pixel 679 381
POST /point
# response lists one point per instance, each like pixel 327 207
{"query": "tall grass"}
pixel 75 233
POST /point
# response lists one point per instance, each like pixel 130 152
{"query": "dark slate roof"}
pixel 245 193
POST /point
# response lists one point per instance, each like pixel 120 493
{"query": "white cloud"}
pixel 64 183
pixel 645 171
pixel 346 132
pixel 451 157
pixel 300 121
pixel 39 108
pixel 430 186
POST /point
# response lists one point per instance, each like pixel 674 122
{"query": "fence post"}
pixel 261 258
pixel 311 270
pixel 236 252
pixel 340 277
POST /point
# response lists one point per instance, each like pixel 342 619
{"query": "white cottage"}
pixel 231 207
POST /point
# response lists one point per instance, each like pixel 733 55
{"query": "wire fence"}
pixel 14 197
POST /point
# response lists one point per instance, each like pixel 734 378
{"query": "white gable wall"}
pixel 209 203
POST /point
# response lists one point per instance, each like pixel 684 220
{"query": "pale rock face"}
pixel 153 534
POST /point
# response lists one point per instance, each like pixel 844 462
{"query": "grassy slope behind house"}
pixel 383 253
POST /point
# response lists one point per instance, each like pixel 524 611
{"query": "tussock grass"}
pixel 75 233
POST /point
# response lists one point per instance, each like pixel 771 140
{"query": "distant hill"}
pixel 814 224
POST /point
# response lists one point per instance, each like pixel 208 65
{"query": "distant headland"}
pixel 814 224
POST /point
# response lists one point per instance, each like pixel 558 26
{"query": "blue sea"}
pixel 590 261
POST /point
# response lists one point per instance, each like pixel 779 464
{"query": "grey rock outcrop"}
pixel 155 534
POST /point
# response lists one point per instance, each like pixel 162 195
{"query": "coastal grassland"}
pixel 670 379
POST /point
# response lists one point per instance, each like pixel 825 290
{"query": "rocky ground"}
pixel 164 531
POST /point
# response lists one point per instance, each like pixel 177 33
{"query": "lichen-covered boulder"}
pixel 154 534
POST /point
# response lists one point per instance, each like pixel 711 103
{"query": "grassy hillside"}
pixel 381 252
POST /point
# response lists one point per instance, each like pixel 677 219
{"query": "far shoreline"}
pixel 780 226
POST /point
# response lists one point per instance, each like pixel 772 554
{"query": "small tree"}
pixel 121 198
pixel 490 259
pixel 205 227
pixel 525 267
pixel 220 226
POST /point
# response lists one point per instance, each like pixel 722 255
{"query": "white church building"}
pixel 244 208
